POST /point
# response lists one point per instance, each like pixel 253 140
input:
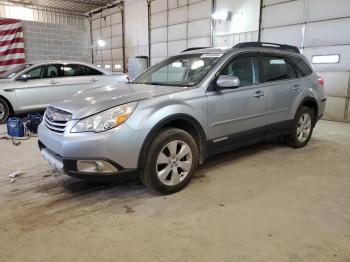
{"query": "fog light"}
pixel 95 166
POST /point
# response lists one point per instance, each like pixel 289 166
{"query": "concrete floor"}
pixel 262 203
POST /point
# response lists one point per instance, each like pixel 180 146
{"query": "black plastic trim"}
pixel 191 120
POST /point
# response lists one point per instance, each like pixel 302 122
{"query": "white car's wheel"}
pixel 4 111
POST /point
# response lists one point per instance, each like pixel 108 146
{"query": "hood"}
pixel 92 101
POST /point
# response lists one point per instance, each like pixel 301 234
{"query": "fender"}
pixel 307 100
pixel 190 120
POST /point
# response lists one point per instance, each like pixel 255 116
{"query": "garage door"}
pixel 177 25
pixel 107 26
pixel 321 28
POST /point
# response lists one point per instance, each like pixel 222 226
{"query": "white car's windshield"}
pixel 184 70
pixel 14 71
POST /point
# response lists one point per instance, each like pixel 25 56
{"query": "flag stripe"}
pixel 12 56
pixel 11 37
pixel 10 26
pixel 10 31
pixel 6 21
pixel 12 51
pixel 8 67
pixel 11 44
pixel 15 40
pixel 12 62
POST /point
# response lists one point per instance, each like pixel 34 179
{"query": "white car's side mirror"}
pixel 23 77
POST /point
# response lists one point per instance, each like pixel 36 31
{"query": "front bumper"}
pixel 118 147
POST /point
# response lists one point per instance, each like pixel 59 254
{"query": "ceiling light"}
pixel 101 43
pixel 220 15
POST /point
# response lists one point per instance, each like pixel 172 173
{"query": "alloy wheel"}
pixel 304 127
pixel 174 162
pixel 2 111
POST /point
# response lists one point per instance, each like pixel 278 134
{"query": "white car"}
pixel 31 87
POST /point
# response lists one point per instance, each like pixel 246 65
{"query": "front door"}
pixel 39 88
pixel 237 114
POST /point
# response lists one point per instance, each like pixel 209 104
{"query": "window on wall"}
pixel 277 68
pixel 325 59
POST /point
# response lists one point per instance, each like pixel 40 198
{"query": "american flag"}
pixel 11 44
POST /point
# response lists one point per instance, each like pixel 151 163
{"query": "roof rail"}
pixel 269 45
pixel 193 48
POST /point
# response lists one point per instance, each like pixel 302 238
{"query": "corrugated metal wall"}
pixel 318 27
pixel 177 25
pixel 107 26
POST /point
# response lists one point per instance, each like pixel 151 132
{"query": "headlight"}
pixel 105 120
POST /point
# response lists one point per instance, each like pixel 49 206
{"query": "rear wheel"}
pixel 4 111
pixel 171 161
pixel 302 128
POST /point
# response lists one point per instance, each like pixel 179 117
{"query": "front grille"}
pixel 56 119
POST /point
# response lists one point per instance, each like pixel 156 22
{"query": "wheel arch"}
pixel 310 102
pixel 181 121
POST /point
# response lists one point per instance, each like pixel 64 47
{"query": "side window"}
pixel 74 70
pixel 302 68
pixel 51 71
pixel 244 68
pixel 80 70
pixel 35 73
pixel 93 72
pixel 276 68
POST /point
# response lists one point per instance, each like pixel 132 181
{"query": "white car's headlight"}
pixel 105 120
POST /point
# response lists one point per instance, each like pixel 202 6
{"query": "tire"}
pixel 171 161
pixel 302 127
pixel 4 111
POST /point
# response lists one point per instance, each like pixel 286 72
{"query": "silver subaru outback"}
pixel 177 113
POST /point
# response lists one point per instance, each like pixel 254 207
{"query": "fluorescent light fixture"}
pixel 197 64
pixel 220 15
pixel 101 43
pixel 107 66
pixel 98 65
pixel 117 66
pixel 325 59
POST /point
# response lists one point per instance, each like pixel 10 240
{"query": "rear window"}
pixel 277 68
pixel 302 68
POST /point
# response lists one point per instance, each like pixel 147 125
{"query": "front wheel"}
pixel 4 111
pixel 302 128
pixel 171 161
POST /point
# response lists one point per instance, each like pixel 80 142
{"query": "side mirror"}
pixel 225 82
pixel 23 77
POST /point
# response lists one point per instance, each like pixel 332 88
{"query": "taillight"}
pixel 321 81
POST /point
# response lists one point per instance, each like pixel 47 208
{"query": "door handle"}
pixel 94 80
pixel 53 82
pixel 296 87
pixel 259 94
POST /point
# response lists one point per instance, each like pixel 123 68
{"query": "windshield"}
pixel 184 70
pixel 14 71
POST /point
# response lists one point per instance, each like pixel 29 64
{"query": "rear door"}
pixel 282 86
pixel 40 87
pixel 235 115
pixel 75 78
